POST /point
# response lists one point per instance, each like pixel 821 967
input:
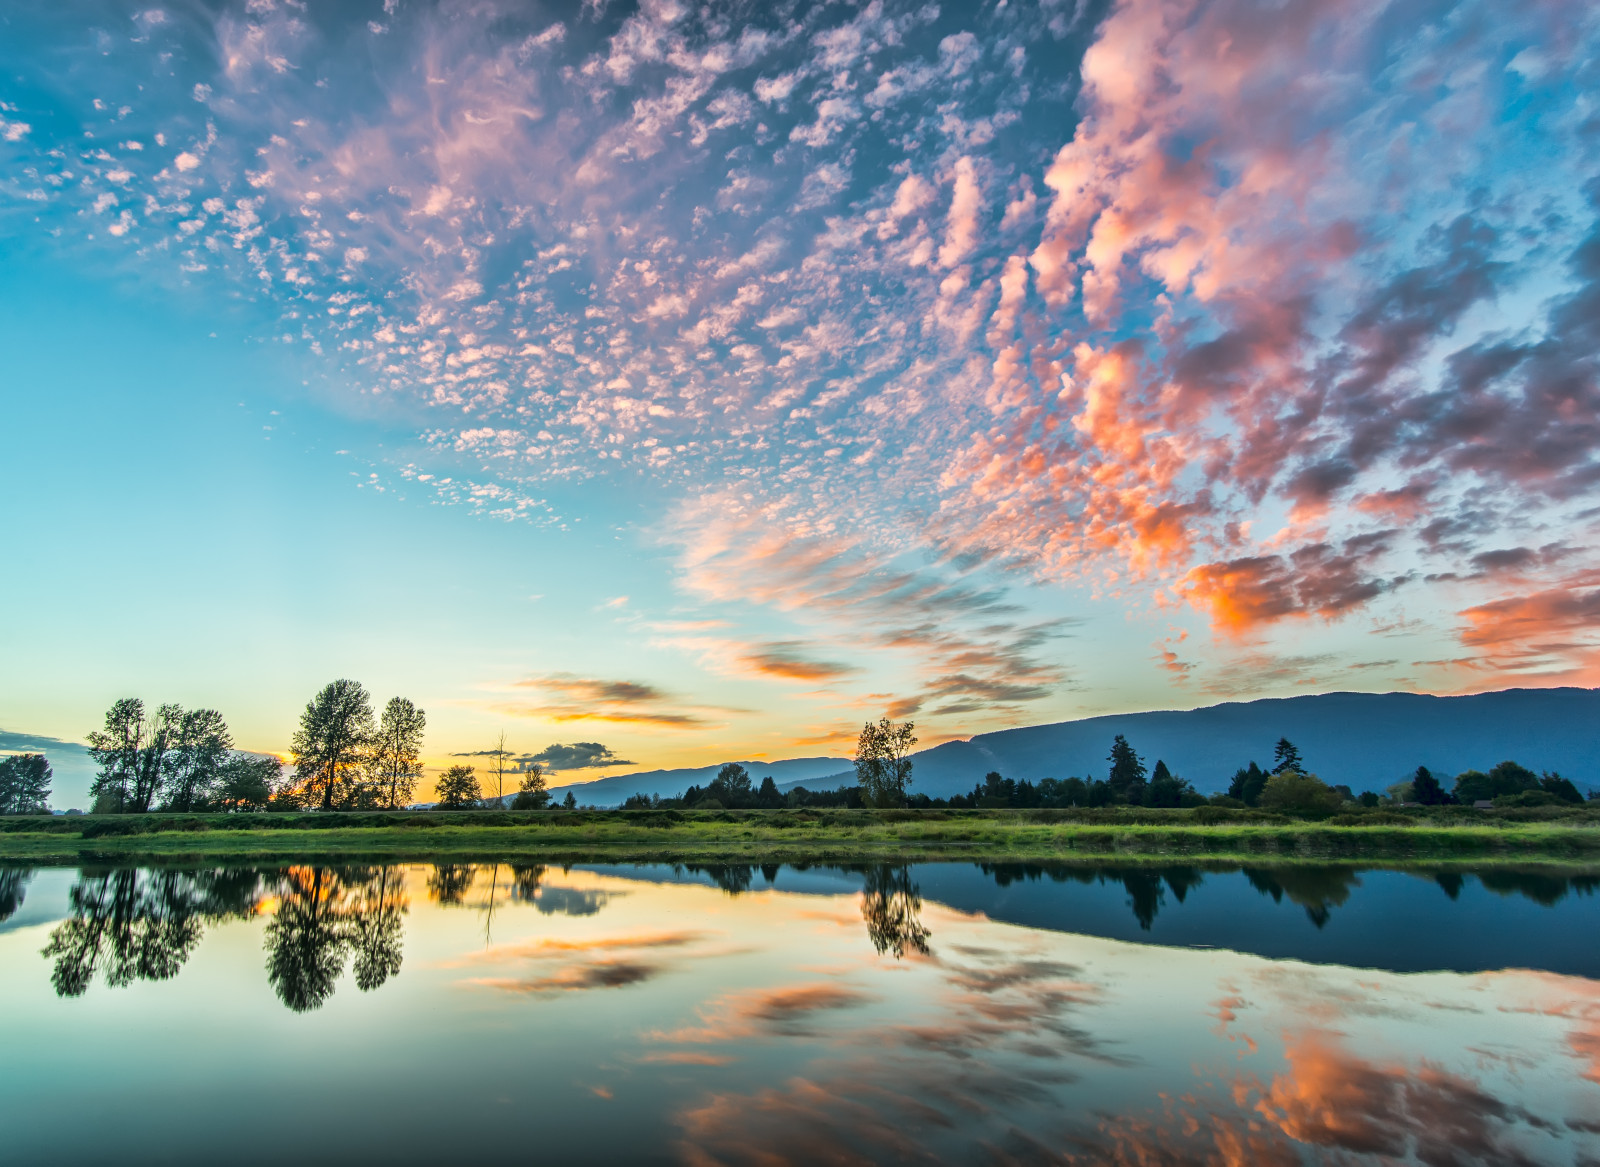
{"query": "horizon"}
pixel 647 383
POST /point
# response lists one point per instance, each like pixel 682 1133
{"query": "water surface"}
pixel 727 1015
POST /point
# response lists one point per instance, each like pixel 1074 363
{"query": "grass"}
pixel 1563 835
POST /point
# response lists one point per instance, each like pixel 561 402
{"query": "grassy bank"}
pixel 1204 833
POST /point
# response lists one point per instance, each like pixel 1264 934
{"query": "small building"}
pixel 1483 804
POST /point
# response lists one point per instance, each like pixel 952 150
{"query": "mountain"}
pixel 1365 740
pixel 613 790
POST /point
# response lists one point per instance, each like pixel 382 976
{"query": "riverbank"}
pixel 814 836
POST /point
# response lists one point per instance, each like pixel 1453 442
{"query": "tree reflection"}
pixel 13 889
pixel 142 925
pixel 1316 889
pixel 1146 886
pixel 892 907
pixel 450 882
pixel 1542 887
pixel 325 916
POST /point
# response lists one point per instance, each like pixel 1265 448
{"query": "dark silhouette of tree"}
pixel 396 762
pixel 131 751
pixel 248 782
pixel 13 890
pixel 892 907
pixel 1426 789
pixel 450 882
pixel 24 784
pixel 457 788
pixel 330 747
pixel 1127 772
pixel 1247 784
pixel 768 796
pixel 1144 895
pixel 1508 778
pixel 532 793
pixel 1286 757
pixel 732 878
pixel 498 757
pixel 569 802
pixel 1450 882
pixel 883 762
pixel 1559 787
pixel 731 786
pixel 1167 790
pixel 192 768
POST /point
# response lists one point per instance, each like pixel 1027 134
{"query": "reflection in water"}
pixel 142 925
pixel 892 909
pixel 1143 884
pixel 133 925
pixel 449 882
pixel 1316 889
pixel 326 915
pixel 13 888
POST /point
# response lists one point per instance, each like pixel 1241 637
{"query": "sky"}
pixel 659 384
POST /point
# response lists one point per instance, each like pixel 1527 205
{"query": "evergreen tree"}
pixel 1248 783
pixel 1425 788
pixel 569 802
pixel 768 796
pixel 1286 757
pixel 1127 772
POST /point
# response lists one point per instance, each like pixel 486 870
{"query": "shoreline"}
pixel 789 837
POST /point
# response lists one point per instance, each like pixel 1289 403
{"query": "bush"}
pixel 1290 792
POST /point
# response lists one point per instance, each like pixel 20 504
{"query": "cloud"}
pixel 576 756
pixel 575 698
pixel 1266 297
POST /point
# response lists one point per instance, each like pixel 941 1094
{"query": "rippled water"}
pixel 946 1012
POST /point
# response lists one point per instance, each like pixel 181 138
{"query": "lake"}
pixel 964 1013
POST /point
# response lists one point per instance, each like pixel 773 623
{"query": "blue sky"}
pixel 700 382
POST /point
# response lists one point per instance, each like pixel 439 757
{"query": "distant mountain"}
pixel 1366 740
pixel 668 783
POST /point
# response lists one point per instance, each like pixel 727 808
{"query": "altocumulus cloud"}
pixel 1208 303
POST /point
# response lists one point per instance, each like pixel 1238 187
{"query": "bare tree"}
pixel 497 768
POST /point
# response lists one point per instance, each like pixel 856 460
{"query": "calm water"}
pixel 939 1013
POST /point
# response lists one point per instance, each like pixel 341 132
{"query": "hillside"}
pixel 1367 740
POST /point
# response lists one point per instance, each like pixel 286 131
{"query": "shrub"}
pixel 1291 792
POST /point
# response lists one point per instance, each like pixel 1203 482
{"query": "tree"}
pixel 458 788
pixel 532 793
pixel 1127 772
pixel 731 786
pixel 1286 757
pixel 1562 788
pixel 1425 789
pixel 883 762
pixel 768 796
pixel 891 904
pixel 1247 785
pixel 336 731
pixel 192 768
pixel 497 767
pixel 1508 778
pixel 1291 792
pixel 248 782
pixel 24 784
pixel 131 751
pixel 569 802
pixel 396 761
pixel 1166 789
